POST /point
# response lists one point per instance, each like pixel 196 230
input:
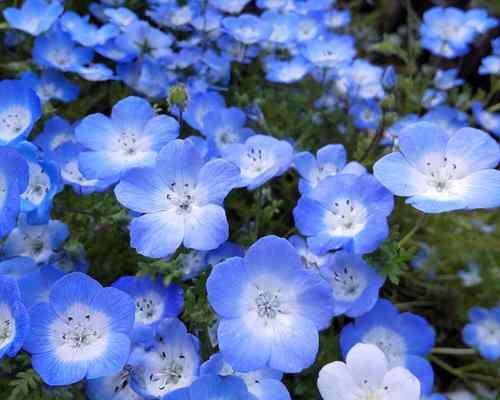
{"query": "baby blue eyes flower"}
pixel 394 334
pixel 116 387
pixel 131 138
pixel 82 332
pixel 355 284
pixel 366 114
pixel 260 159
pixel 181 199
pixel 20 108
pixel 447 79
pixel 51 85
pixel 153 302
pixel 14 319
pixel 270 308
pixel 287 71
pixel 367 375
pixel 213 387
pixel 330 51
pixel 483 332
pixel 247 28
pixel 489 121
pixel 85 33
pixel 345 211
pixel 330 160
pixel 310 259
pixel 171 364
pixel 441 174
pixel 34 17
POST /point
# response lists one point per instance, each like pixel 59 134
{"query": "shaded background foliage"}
pixel 386 33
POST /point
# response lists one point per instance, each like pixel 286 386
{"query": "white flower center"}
pixel 255 162
pixel 169 375
pixel 7 325
pixel 38 186
pixel 389 342
pixel 489 332
pixel 181 196
pixel 347 284
pixel 148 309
pixel 13 121
pixel 268 305
pixel 347 218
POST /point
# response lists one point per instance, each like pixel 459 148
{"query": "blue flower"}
pixel 20 108
pixel 270 308
pixel 288 71
pixel 355 284
pixel 35 241
pixel 448 118
pixel 441 174
pixel 131 138
pixel 14 176
pixel 395 334
pixel 116 387
pixel 153 302
pixel 337 18
pixel 171 364
pixel 95 72
pixel 360 80
pixel 192 264
pixel 223 127
pixel 213 387
pixel 447 79
pixel 483 332
pixel 310 259
pixel 247 28
pixel 260 159
pixel 199 106
pixel 229 6
pixel 433 98
pixel 489 121
pixel 85 33
pixel 330 51
pixel 56 132
pixel 345 211
pixel 283 27
pixel 35 286
pixel 51 85
pixel 262 384
pixel 480 21
pixel 490 65
pixel 14 320
pixel 18 268
pixel 446 32
pixel 330 160
pixel 34 17
pixel 389 78
pixel 366 114
pixel 82 332
pixel 181 199
pixel 121 16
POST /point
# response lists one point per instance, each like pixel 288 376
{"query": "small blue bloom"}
pixel 20 108
pixel 121 16
pixel 95 72
pixel 447 79
pixel 345 211
pixel 260 159
pixel 490 65
pixel 355 284
pixel 330 160
pixel 441 174
pixel 56 132
pixel 310 259
pixel 35 287
pixel 287 71
pixel 394 334
pixel 262 384
pixel 193 263
pixel 14 176
pixel 366 114
pixel 181 201
pixel 14 320
pixel 35 241
pixel 85 33
pixel 470 276
pixel 153 302
pixel 489 121
pixel 131 138
pixel 115 387
pixel 270 308
pixel 433 98
pixel 389 78
pixel 330 51
pixel 55 49
pixel 199 106
pixel 337 18
pixel 479 20
pixel 171 364
pixel 34 17
pixel 483 332
pixel 51 85
pixel 81 332
pixel 360 80
pixel 283 27
pixel 247 28
pixel 229 6
pixel 213 387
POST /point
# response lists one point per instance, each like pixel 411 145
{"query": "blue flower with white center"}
pixel 394 334
pixel 447 79
pixel 283 27
pixel 247 28
pixel 95 72
pixel 483 332
pixel 193 263
pixel 153 302
pixel 81 333
pixel 14 320
pixel 116 387
pixel 479 20
pixel 35 287
pixel 55 49
pixel 433 98
pixel 67 157
pixel 262 384
pixel 310 27
pixel 360 80
pixel 51 85
pixel 446 32
pixel 270 308
pixel 355 284
pixel 224 127
pixel 181 201
pixel 345 211
pixel 20 108
pixel 35 241
pixel 471 276
pixel 310 259
pixel 287 71
pixel 209 21
pixel 366 114
pixel 330 51
pixel 440 174
pixel 56 132
pixel 260 159
pixel 448 118
pixel 489 121
pixel 229 6
pixel 213 387
pixel 131 138
pixel 34 17
pixel 14 176
pixel 199 106
pixel 490 65
pixel 272 4
pixel 171 364
pixel 335 19
pixel 223 252
pixel 85 33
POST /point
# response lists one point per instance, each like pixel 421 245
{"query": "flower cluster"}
pixel 253 259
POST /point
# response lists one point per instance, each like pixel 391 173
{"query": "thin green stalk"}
pixel 453 351
pixel 414 230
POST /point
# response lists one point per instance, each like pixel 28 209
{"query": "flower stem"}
pixel 414 230
pixel 453 351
